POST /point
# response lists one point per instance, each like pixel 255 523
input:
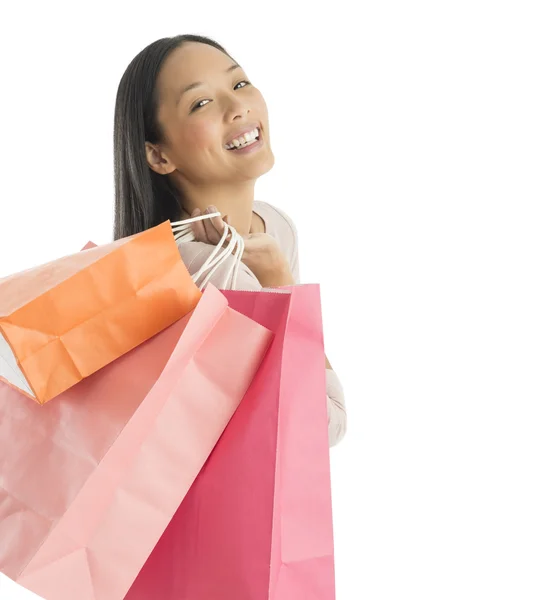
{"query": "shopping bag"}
pixel 90 481
pixel 257 522
pixel 62 321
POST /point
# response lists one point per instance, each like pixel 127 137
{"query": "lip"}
pixel 249 149
pixel 241 132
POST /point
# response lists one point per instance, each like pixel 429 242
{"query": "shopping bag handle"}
pixel 183 233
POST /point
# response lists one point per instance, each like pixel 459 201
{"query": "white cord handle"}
pixel 183 233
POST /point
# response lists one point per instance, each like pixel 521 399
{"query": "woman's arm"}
pixel 337 414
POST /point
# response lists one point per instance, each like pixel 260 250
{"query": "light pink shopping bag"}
pixel 89 482
pixel 257 522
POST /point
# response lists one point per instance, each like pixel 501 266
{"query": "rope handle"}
pixel 182 233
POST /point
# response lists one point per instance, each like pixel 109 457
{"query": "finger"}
pixel 226 220
pixel 194 226
pixel 197 227
pixel 209 229
pixel 214 226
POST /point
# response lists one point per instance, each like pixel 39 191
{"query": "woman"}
pixel 192 137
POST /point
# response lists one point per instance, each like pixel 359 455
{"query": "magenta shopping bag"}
pixel 257 522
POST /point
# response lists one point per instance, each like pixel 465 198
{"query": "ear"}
pixel 158 160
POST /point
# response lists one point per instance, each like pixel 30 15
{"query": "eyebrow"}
pixel 196 84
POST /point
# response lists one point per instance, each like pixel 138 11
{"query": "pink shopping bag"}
pixel 257 522
pixel 89 482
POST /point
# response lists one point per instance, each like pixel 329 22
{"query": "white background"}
pixel 403 135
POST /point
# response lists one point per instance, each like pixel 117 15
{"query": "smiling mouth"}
pixel 247 144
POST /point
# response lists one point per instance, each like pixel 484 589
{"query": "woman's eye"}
pixel 199 103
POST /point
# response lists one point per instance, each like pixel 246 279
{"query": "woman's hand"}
pixel 262 254
pixel 208 231
pixel 265 259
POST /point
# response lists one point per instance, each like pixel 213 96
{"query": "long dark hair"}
pixel 143 198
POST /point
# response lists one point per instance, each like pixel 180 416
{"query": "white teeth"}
pixel 244 139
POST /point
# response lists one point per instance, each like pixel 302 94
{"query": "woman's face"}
pixel 200 121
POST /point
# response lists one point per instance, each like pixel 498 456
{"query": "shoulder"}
pixel 277 217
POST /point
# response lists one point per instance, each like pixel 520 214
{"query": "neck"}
pixel 234 201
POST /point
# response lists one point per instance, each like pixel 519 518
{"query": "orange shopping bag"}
pixel 62 321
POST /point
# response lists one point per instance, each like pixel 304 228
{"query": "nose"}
pixel 237 108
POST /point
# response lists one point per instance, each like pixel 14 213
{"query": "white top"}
pixel 282 228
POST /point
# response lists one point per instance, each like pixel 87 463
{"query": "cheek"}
pixel 203 136
pixel 261 110
pixel 259 101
